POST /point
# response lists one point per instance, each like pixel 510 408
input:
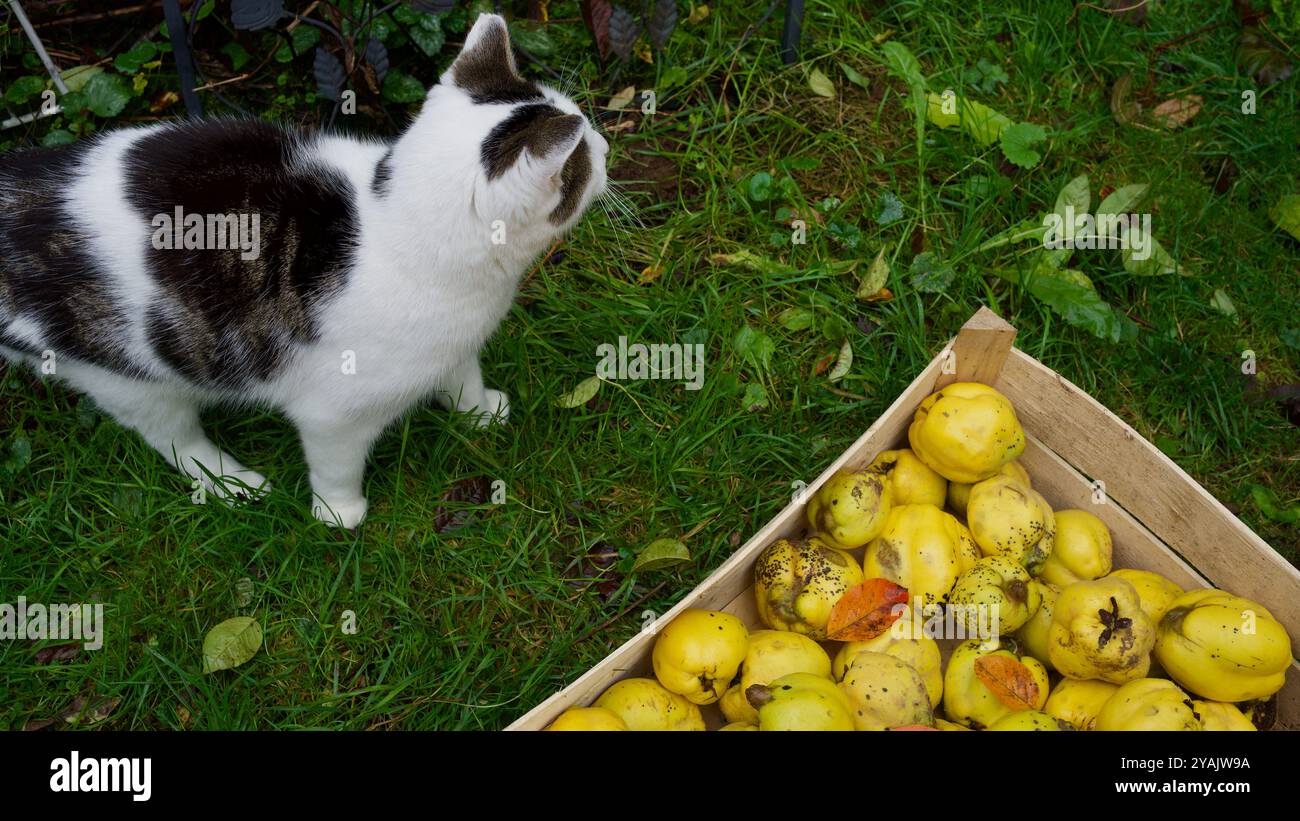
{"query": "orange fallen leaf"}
pixel 883 295
pixel 1009 679
pixel 1176 112
pixel 824 363
pixel 866 610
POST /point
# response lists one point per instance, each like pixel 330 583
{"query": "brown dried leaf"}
pixel 1009 679
pixel 60 652
pixel 1176 112
pixel 451 513
pixel 866 610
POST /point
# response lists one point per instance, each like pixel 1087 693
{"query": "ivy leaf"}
pixel 303 38
pixel 238 55
pixel 760 187
pixel 231 643
pixel 581 395
pixel 1286 214
pixel 23 89
pixel 106 94
pixel 663 19
pixel 930 273
pixel 129 62
pixel 820 84
pixel 402 88
pixel 661 554
pixel 623 31
pixel 1018 143
pixel 427 35
pixel 330 75
pixel 376 57
pixel 252 15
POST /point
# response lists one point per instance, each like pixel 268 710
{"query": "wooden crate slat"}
pixel 1149 485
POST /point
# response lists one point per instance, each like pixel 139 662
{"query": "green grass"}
pixel 468 629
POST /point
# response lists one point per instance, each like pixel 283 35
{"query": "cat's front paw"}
pixel 347 513
pixel 496 408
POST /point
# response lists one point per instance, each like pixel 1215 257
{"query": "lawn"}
pixel 496 565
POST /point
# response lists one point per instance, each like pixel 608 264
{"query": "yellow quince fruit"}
pixel 996 590
pixel 966 432
pixel 1223 647
pixel 1081 550
pixel 884 692
pixel 959 492
pixel 1011 519
pixel 911 481
pixel 798 581
pixel 849 509
pixel 1100 632
pixel 585 719
pixel 644 704
pixel 771 655
pixel 1148 704
pixel 1078 702
pixel 1155 592
pixel 800 701
pixel 921 548
pixel 698 653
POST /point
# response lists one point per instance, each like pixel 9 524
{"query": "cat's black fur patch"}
pixel 223 320
pixel 573 181
pixel 486 72
pixel 46 273
pixel 538 128
pixel 383 174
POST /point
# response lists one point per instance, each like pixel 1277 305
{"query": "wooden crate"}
pixel 1159 517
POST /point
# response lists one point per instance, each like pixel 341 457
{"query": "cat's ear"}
pixel 485 68
pixel 553 140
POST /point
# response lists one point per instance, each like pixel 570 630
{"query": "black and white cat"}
pixel 366 276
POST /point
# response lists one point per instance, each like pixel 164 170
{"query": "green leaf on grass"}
pixel 1286 214
pixel 660 554
pixel 231 643
pixel 796 319
pixel 1222 303
pixel 1071 295
pixel 854 77
pixel 238 55
pixel 1027 231
pixel 755 347
pixel 1272 508
pixel 904 65
pixel 304 38
pixel 1158 262
pixel 76 77
pixel 877 277
pixel 759 187
pixel 1122 200
pixel 930 273
pixel 890 209
pixel 978 121
pixel 530 36
pixel 755 397
pixel 820 84
pixel 1018 143
pixel 580 395
pixel 842 362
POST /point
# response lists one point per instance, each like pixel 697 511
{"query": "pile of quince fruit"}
pixel 949 542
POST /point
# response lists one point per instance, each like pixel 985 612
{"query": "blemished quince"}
pixel 1078 702
pixel 771 655
pixel 1033 634
pixel 968 700
pixel 950 726
pixel 911 481
pixel 849 509
pixel 1081 550
pixel 644 704
pixel 998 590
pixel 921 548
pixel 1100 632
pixel 798 581
pixel 741 726
pixel 1148 704
pixel 966 432
pixel 959 492
pixel 1155 592
pixel 906 643
pixel 800 701
pixel 1219 717
pixel 1222 647
pixel 586 719
pixel 698 653
pixel 1026 720
pixel 884 692
pixel 1011 519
